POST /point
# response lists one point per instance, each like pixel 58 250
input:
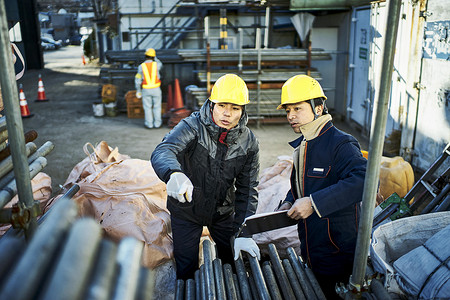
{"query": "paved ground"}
pixel 67 120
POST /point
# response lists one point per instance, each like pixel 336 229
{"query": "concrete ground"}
pixel 68 121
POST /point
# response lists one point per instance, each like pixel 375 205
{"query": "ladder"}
pixel 396 207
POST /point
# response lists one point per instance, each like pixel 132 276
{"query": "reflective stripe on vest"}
pixel 151 79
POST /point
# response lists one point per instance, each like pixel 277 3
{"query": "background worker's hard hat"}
pixel 230 88
pixel 150 52
pixel 300 88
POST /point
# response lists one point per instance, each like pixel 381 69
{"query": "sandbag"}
pixel 127 199
pixel 424 272
pixel 392 240
pixel 273 186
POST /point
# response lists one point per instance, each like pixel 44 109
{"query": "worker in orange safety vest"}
pixel 148 87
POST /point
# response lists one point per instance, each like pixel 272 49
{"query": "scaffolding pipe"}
pixel 69 279
pixel 243 280
pixel 208 269
pixel 219 280
pixel 229 282
pixel 103 274
pixel 301 274
pixel 10 190
pixel 375 150
pixel 129 254
pixel 269 276
pixel 266 29
pixel 285 286
pixel 6 165
pixel 41 251
pixel 14 121
pixel 260 284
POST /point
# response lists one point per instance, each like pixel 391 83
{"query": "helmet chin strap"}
pixel 314 109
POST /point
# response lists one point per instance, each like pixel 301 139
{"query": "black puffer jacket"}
pixel 224 176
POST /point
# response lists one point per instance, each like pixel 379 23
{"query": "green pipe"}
pixel 14 120
pixel 375 149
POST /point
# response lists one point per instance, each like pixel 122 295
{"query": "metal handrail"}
pixel 157 24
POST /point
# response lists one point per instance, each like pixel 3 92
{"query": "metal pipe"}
pixel 198 287
pixel 252 284
pixel 2 123
pixel 69 279
pixel 202 282
pixel 179 289
pixel 244 285
pixel 269 276
pixel 258 277
pixel 266 29
pixel 236 287
pixel 3 135
pixel 378 289
pixel 44 150
pixel 301 274
pixel 103 273
pixel 445 204
pixel 293 280
pixel 436 200
pixel 14 124
pixel 209 273
pixel 128 259
pixel 315 284
pixel 229 283
pixel 286 288
pixel 29 136
pixel 375 149
pixel 24 281
pixel 6 165
pixel 12 248
pixel 241 41
pixel 11 189
pixel 219 281
pixel 190 290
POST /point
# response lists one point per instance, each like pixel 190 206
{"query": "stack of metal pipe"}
pixel 274 278
pixel 68 259
pixel 20 215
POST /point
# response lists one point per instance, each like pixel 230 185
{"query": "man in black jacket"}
pixel 210 162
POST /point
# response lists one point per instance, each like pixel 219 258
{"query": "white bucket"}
pixel 99 109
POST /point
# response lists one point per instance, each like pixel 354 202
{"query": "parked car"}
pixel 57 44
pixel 75 40
pixel 47 46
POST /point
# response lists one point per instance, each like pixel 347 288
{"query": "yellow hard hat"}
pixel 230 88
pixel 300 88
pixel 150 52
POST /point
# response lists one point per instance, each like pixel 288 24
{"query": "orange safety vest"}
pixel 151 79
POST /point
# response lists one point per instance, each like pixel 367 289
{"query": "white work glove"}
pixel 247 245
pixel 138 95
pixel 180 186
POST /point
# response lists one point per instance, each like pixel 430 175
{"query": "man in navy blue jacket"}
pixel 326 184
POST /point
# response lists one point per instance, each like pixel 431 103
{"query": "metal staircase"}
pixel 161 36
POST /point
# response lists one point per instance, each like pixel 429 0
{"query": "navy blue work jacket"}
pixel 334 171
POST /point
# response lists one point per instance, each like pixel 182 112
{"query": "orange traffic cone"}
pixel 24 110
pixel 41 91
pixel 83 60
pixel 178 99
